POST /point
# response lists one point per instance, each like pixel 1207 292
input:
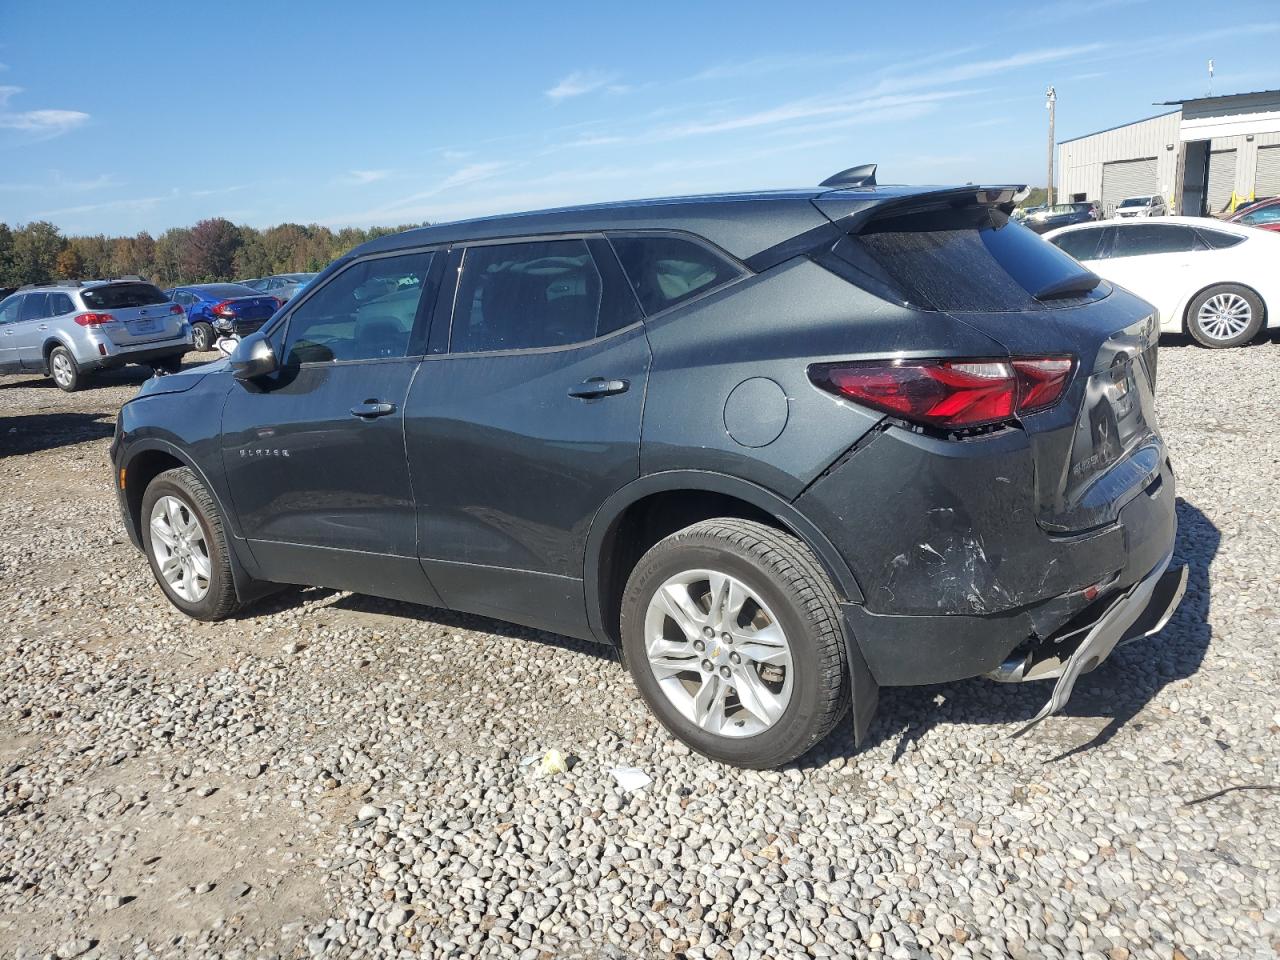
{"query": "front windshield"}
pixel 1059 208
pixel 1135 202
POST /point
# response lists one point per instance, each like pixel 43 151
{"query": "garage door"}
pixel 1222 179
pixel 1266 181
pixel 1127 178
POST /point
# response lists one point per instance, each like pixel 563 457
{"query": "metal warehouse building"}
pixel 1204 157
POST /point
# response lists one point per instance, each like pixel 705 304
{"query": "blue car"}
pixel 235 307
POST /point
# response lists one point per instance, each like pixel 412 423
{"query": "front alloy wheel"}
pixel 181 550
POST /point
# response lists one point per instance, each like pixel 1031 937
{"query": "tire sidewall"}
pixel 74 383
pixel 163 486
pixel 1255 321
pixel 803 710
pixel 202 336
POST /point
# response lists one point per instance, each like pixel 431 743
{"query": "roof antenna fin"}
pixel 863 175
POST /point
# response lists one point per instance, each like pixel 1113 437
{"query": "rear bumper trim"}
pixel 1141 611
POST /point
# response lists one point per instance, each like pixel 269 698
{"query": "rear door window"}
pixel 519 296
pixel 59 303
pixel 1217 240
pixel 1144 239
pixel 35 307
pixel 666 270
pixel 120 296
pixel 1081 244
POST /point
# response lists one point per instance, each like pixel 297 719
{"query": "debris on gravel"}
pixel 334 775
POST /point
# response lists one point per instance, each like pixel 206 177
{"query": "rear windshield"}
pixel 118 296
pixel 228 290
pixel 971 259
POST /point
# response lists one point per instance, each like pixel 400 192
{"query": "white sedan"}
pixel 1219 282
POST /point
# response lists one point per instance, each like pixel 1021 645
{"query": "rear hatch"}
pixel 958 253
pixel 141 313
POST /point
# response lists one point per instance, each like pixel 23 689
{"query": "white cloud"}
pixel 139 203
pixel 362 177
pixel 762 66
pixel 582 81
pixel 41 124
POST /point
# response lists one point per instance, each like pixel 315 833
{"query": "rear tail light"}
pixel 224 309
pixel 950 393
pixel 279 303
pixel 94 319
pixel 177 310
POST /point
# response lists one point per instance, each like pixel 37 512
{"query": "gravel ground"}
pixel 337 775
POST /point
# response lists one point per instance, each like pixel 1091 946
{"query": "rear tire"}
pixel 1226 315
pixel 64 370
pixel 202 337
pixel 754 603
pixel 183 536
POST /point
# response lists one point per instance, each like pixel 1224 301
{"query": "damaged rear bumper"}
pixel 1139 612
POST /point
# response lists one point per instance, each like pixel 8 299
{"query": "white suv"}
pixel 1143 206
pixel 68 330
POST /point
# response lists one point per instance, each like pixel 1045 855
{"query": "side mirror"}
pixel 253 357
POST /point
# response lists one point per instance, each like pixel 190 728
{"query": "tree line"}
pixel 212 250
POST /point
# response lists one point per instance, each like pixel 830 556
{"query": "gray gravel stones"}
pixel 342 776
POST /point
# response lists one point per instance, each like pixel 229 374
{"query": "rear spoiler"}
pixel 847 211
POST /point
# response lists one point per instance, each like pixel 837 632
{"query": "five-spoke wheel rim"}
pixel 718 653
pixel 1224 316
pixel 61 369
pixel 181 552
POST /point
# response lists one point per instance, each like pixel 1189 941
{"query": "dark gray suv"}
pixel 780 448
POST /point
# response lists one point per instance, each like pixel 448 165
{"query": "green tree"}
pixel 7 278
pixel 35 252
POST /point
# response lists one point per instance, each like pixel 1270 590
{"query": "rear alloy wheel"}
pixel 183 537
pixel 64 369
pixel 202 337
pixel 1225 316
pixel 731 631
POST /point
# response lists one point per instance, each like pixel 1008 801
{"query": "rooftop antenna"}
pixel 1210 76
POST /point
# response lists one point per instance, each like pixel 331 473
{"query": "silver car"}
pixel 69 330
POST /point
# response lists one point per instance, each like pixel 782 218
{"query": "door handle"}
pixel 43 326
pixel 598 387
pixel 371 409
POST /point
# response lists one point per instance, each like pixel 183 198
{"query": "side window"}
pixel 35 307
pixel 1217 240
pixel 517 296
pixel 1081 244
pixel 1149 238
pixel 10 309
pixel 59 304
pixel 665 271
pixel 365 312
pixel 1265 215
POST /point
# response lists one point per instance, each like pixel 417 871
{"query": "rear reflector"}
pixel 94 319
pixel 950 393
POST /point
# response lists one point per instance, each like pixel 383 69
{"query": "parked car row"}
pixel 226 308
pixel 286 286
pixel 70 330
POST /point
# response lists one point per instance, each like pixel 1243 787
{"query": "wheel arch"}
pixel 654 506
pixel 152 457
pixel 55 341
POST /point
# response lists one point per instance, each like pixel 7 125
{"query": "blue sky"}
pixel 147 116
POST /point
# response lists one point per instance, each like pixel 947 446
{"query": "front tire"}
pixel 185 543
pixel 732 633
pixel 202 337
pixel 64 370
pixel 1227 315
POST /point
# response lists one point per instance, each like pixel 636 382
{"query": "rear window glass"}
pixel 119 296
pixel 665 271
pixel 970 259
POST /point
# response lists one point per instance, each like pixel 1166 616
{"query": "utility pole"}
pixel 1050 100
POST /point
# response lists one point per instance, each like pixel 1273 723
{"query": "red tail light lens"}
pixel 950 393
pixel 177 310
pixel 94 319
pixel 223 309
